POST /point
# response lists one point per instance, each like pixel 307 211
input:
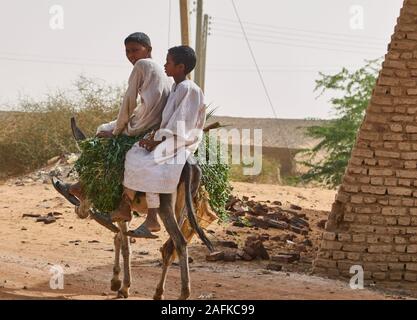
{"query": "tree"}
pixel 338 136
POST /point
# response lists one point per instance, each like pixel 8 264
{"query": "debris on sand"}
pixel 274 267
pixel 31 215
pixel 291 246
pixel 286 258
pixel 51 217
pixel 295 207
pixel 226 244
pixel 267 215
pixel 255 249
pixel 215 256
pixel 46 220
pixel 321 224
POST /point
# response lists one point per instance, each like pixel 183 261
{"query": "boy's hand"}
pixel 149 144
pixel 104 134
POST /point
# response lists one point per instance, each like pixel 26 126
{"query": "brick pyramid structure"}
pixel 373 221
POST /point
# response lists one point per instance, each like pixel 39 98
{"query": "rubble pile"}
pixel 277 234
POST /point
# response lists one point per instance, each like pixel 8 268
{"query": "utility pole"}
pixel 198 43
pixel 204 51
pixel 185 26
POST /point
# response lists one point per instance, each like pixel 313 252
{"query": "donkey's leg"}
pixel 168 218
pixel 115 283
pixel 124 291
pixel 168 249
pixel 167 252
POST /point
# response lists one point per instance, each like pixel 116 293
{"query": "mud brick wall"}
pixel 373 222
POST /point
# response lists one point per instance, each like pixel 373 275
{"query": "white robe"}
pixel 150 82
pixel 183 119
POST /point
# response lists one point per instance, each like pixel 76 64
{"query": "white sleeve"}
pixel 129 100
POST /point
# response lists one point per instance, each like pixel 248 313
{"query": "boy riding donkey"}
pixel 154 164
pixel 148 80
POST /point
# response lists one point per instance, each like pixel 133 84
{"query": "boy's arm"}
pixel 129 100
pixel 186 124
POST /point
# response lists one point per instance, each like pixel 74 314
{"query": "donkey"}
pixel 180 227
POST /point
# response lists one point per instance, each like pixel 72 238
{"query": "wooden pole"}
pixel 204 51
pixel 198 42
pixel 185 26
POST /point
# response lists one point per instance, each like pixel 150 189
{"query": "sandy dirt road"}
pixel 28 249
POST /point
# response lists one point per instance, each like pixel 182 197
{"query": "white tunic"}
pixel 183 119
pixel 150 82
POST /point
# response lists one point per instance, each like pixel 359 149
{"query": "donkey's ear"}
pixel 76 132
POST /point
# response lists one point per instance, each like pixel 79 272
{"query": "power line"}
pixel 300 38
pixel 281 68
pixel 315 32
pixel 272 66
pixel 290 70
pixel 309 36
pixel 36 56
pixel 61 62
pixel 262 79
pixel 254 61
pixel 293 45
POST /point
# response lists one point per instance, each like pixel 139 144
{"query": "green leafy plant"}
pixel 215 178
pixel 100 168
pixel 338 136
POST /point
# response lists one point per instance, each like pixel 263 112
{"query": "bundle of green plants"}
pixel 101 165
pixel 100 169
pixel 215 177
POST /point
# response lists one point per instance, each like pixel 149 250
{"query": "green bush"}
pixel 354 90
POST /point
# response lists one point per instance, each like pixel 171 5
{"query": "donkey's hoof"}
pixel 115 285
pixel 184 295
pixel 158 295
pixel 123 293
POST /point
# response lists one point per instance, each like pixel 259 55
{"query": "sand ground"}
pixel 28 250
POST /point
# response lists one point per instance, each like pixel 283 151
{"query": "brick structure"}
pixel 373 221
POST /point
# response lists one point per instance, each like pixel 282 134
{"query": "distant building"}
pixel 281 138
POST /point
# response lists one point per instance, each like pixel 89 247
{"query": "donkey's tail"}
pixel 190 208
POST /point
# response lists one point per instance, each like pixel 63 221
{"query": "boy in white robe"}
pixel 148 80
pixel 154 165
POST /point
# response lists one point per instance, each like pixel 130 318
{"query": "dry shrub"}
pixel 39 130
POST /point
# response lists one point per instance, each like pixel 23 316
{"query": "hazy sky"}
pixel 291 41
